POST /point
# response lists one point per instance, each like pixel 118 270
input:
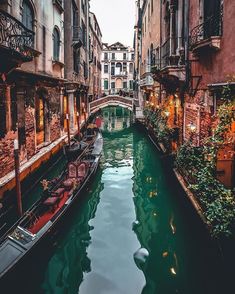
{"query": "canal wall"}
pixel 168 164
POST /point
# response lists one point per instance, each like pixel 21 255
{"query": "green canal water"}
pixel 132 232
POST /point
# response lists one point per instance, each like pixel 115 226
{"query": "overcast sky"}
pixel 116 19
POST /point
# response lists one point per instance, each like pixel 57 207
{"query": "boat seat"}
pixel 82 170
pixel 70 182
pixel 52 202
pixel 76 174
pixel 59 192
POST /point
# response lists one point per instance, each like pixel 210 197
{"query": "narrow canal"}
pixel 130 205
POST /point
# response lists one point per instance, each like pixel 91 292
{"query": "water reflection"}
pixel 70 261
pixel 131 234
pixel 115 119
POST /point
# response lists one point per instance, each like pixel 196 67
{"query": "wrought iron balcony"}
pixel 209 30
pixel 15 37
pixel 77 36
pixel 162 57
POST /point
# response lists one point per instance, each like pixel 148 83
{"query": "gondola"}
pixel 57 199
pixel 77 147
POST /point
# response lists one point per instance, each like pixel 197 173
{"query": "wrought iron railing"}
pixel 166 55
pixel 15 36
pixel 211 27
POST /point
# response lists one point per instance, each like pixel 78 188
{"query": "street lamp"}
pixel 17 176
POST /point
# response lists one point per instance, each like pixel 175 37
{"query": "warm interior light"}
pixel 192 127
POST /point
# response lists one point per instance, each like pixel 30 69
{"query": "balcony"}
pixel 207 35
pixel 16 42
pixel 77 37
pixel 119 74
pixel 147 79
pixel 167 64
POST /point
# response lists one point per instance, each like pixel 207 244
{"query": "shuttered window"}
pixel 27 16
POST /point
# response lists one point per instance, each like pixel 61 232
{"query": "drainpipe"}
pixel 186 37
pixel 160 51
pixel 187 62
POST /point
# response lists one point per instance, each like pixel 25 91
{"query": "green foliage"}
pixel 158 122
pixel 199 167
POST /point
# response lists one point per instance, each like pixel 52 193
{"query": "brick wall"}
pixel 55 127
pixel 30 131
pixel 7 153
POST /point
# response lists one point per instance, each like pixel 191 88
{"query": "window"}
pixel 151 6
pixel 131 84
pixel 75 21
pixel 113 56
pixel 106 68
pixel 124 56
pixel 84 34
pixel 56 44
pixel 131 68
pixel 85 70
pixel 83 6
pixel 118 68
pixel 112 68
pixel 124 85
pixel 76 60
pixel 27 16
pixel 106 84
pixel 132 56
pixel 105 56
pixel 113 85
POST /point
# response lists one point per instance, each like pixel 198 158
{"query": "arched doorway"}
pixel 42 116
pixel 40 122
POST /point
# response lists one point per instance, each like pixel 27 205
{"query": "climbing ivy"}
pixel 158 122
pixel 198 165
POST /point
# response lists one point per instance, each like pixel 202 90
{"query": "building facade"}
pixel 95 49
pixel 185 61
pixel 44 75
pixel 117 69
pixel 76 61
pixel 31 91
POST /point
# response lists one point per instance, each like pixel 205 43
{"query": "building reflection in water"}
pixel 115 119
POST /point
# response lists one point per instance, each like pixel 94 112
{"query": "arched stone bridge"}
pixel 111 100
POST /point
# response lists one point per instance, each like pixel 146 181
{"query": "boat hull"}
pixel 47 232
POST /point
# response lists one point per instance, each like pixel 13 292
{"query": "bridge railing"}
pixel 111 100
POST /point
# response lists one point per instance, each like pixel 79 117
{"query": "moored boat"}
pixel 57 199
pixel 76 147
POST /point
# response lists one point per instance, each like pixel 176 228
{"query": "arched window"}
pixel 56 44
pixel 118 68
pixel 131 68
pixel 28 15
